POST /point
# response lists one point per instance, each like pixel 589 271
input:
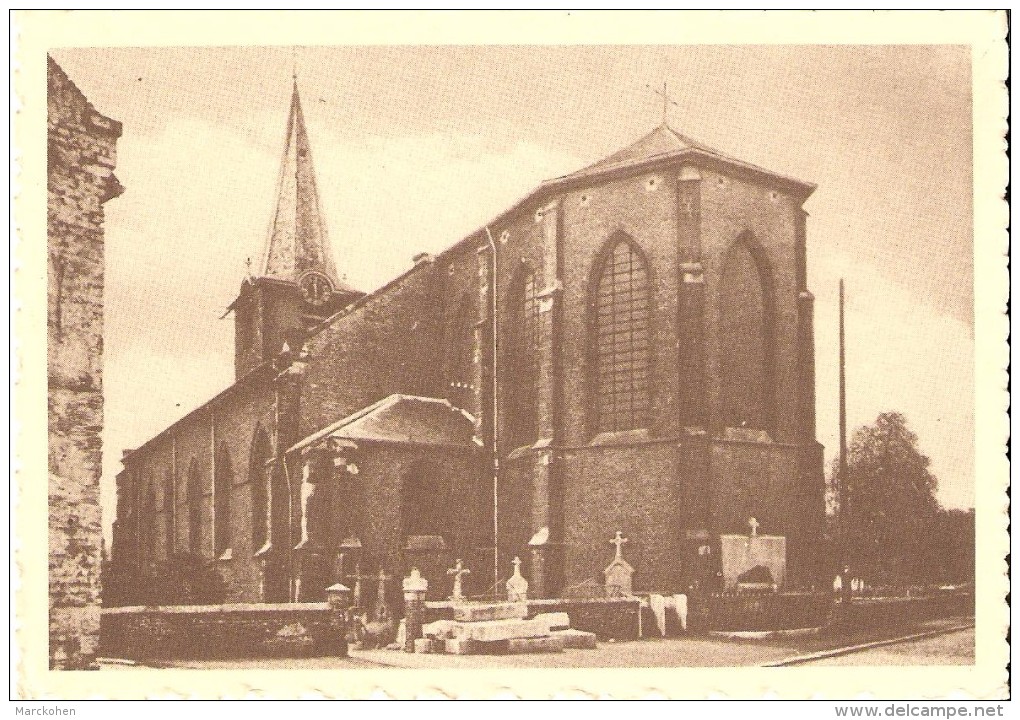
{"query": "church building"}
pixel 629 348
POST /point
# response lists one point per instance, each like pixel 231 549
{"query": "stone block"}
pixel 428 646
pixel 523 646
pixel 499 630
pixel 576 639
pixel 453 646
pixel 555 620
pixel 440 629
pixel 490 611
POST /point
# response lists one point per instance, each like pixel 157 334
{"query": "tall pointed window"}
pixel 744 329
pixel 169 513
pixel 621 353
pixel 147 519
pixel 460 354
pixel 258 482
pixel 222 487
pixel 524 334
pixel 195 501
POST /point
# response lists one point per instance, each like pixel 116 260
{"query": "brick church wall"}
pixel 81 159
pixel 645 483
pixel 389 343
pixel 141 541
pixel 682 473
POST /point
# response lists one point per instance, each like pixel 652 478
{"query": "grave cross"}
pixel 753 524
pixel 382 610
pixel 517 565
pixel 383 577
pixel 357 577
pixel 458 572
pixel 619 541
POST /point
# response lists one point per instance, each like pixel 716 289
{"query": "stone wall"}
pixel 81 156
pixel 222 631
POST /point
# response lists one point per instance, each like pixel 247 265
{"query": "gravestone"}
pixel 619 573
pixel 739 554
pixel 517 586
pixel 458 572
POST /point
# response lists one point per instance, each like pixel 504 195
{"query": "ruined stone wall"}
pixel 81 157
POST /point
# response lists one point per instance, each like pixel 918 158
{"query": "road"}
pixel 955 648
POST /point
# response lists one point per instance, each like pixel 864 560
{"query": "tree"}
pixel 889 511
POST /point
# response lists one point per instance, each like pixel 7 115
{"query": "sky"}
pixel 417 146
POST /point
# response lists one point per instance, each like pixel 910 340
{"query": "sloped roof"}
pixel 665 143
pixel 402 419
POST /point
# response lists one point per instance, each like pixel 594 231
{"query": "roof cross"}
pixel 666 100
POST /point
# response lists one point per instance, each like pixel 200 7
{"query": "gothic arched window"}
pixel 745 337
pixel 621 352
pixel 169 513
pixel 147 519
pixel 261 452
pixel 460 355
pixel 195 500
pixel 222 487
pixel 522 358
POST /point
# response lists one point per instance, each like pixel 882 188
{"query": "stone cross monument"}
pixel 619 573
pixel 458 572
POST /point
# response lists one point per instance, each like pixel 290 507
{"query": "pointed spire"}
pixel 297 240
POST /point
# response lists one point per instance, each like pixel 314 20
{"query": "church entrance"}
pixel 425 511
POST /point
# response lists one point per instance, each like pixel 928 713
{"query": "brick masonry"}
pixel 81 158
pixel 713 233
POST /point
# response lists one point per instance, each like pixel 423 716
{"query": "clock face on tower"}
pixel 315 287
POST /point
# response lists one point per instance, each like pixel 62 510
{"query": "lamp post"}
pixel 844 483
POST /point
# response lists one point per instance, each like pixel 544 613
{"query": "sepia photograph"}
pixel 498 356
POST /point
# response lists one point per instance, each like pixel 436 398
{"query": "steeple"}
pixel 295 286
pixel 297 241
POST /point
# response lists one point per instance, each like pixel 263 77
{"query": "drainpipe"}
pixel 495 408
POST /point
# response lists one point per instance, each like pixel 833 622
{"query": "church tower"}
pixel 297 285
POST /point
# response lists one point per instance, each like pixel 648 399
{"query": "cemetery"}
pixel 750 603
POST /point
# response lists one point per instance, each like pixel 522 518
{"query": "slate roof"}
pixel 402 419
pixel 297 239
pixel 664 143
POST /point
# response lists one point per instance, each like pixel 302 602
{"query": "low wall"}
pixel 742 611
pixel 221 631
pixel 608 618
pixel 897 612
